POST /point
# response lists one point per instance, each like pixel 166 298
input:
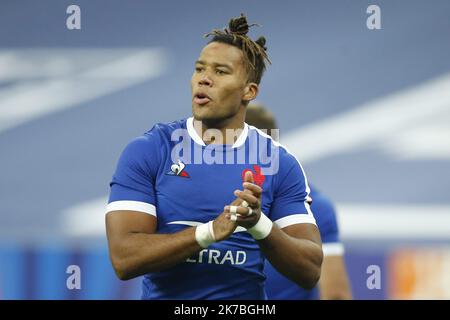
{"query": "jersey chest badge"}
pixel 177 169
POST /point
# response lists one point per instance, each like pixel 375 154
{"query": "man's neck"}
pixel 222 132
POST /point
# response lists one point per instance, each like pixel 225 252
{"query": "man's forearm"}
pixel 141 253
pixel 298 259
pixel 334 283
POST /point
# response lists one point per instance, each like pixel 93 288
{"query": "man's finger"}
pixel 239 211
pixel 248 177
pixel 249 198
pixel 254 188
pixel 241 218
pixel 232 209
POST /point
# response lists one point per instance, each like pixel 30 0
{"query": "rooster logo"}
pixel 177 169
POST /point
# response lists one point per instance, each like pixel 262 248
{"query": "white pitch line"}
pixel 86 219
pixel 371 122
pixel 396 221
pixel 30 100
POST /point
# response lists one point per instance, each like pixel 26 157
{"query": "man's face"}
pixel 218 83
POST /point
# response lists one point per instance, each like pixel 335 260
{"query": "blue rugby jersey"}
pixel 170 173
pixel 279 287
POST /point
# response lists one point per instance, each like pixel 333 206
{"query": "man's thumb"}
pixel 249 177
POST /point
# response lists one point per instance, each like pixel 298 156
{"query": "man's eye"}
pixel 198 69
pixel 220 72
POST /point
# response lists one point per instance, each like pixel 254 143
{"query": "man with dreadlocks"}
pixel 202 229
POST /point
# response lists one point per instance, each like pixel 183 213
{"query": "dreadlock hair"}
pixel 255 55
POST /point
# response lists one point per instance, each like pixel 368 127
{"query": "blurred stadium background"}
pixel 366 111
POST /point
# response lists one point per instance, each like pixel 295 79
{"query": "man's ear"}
pixel 250 92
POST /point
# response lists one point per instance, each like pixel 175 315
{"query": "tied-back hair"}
pixel 254 51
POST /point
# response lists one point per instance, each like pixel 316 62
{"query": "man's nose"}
pixel 205 80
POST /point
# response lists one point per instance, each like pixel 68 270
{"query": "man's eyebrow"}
pixel 215 64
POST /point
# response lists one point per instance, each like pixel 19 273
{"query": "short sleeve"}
pixel 291 204
pixel 326 218
pixel 132 185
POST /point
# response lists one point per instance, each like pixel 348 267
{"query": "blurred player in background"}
pixel 333 283
pixel 187 226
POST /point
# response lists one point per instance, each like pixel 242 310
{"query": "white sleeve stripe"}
pixel 333 249
pixel 132 206
pixel 294 219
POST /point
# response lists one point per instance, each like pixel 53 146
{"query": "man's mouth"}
pixel 201 98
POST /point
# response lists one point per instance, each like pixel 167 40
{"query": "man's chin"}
pixel 209 116
pixel 208 119
pixel 203 113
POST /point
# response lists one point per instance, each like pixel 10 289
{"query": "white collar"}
pixel 197 139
